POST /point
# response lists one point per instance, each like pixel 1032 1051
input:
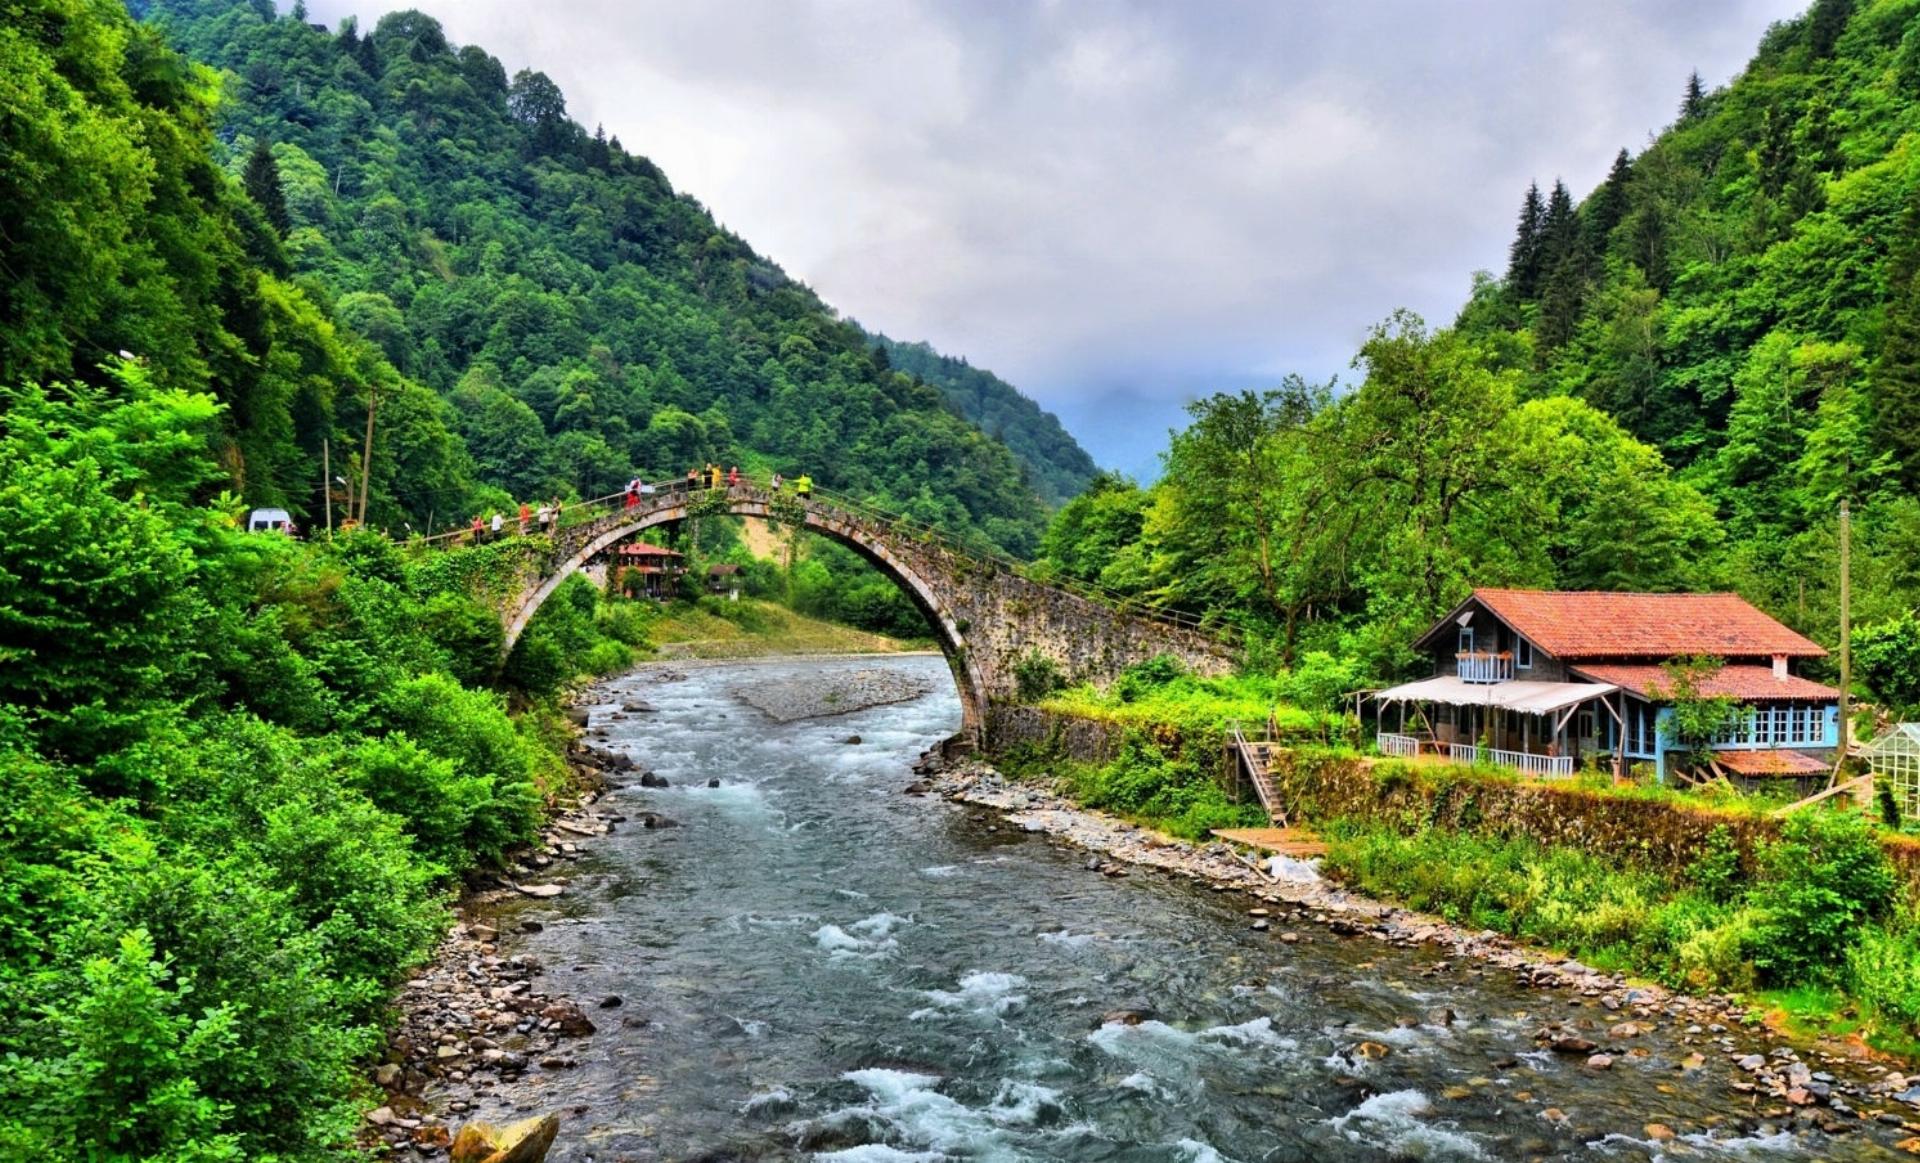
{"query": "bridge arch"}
pixel 921 591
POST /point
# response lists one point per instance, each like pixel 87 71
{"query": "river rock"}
pixel 527 1141
pixel 1658 1132
pixel 638 707
pixel 577 716
pixel 1573 1044
pixel 569 1018
pixel 1126 1017
pixel 851 740
pixel 1371 1050
pixel 1600 1062
pixel 611 1001
pixel 713 783
pixel 540 891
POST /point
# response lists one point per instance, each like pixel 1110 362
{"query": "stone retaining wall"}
pixel 1319 785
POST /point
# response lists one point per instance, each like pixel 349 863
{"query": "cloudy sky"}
pixel 1119 205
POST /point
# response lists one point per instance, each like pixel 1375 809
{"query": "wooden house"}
pixel 1540 681
pixel 647 570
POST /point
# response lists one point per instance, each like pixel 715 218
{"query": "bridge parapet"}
pixel 987 614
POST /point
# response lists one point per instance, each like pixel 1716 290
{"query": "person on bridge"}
pixel 478 527
pixel 498 522
pixel 525 515
pixel 633 492
pixel 733 477
pixel 545 516
pixel 779 482
pixel 803 485
pixel 693 479
pixel 714 476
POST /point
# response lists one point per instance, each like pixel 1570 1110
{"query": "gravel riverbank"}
pixel 1783 1083
pixel 474 1019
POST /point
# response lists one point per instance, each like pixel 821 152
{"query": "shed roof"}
pixel 1595 624
pixel 1527 697
pixel 1769 762
pixel 1747 683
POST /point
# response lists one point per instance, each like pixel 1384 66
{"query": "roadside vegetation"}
pixel 239 778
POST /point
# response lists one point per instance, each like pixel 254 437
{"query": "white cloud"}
pixel 1109 195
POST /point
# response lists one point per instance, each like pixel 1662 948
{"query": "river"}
pixel 815 965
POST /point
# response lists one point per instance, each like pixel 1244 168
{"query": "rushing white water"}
pixel 815 965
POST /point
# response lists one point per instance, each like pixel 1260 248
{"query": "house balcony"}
pixel 1484 666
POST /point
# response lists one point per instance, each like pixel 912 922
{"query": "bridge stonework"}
pixel 986 616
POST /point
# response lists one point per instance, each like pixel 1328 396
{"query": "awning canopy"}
pixel 1528 698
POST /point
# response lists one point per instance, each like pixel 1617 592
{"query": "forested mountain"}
pixel 1057 466
pixel 1673 385
pixel 539 308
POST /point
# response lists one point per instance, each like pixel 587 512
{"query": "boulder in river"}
pixel 851 740
pixel 527 1141
pixel 638 707
pixel 540 891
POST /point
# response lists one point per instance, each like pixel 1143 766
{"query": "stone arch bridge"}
pixel 986 615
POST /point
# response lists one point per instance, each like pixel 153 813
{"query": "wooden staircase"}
pixel 1254 758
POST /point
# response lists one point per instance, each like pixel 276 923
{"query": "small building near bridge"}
pixel 644 570
pixel 723 577
pixel 1544 681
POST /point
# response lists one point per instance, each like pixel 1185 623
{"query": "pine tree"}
pixel 1776 153
pixel 1825 23
pixel 1607 205
pixel 368 54
pixel 1523 261
pixel 261 177
pixel 1894 384
pixel 1559 230
pixel 597 153
pixel 1560 303
pixel 1694 101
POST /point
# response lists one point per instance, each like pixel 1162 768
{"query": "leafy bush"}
pixel 1823 878
pixel 1036 676
pixel 1883 971
pixel 1143 678
pixel 1321 680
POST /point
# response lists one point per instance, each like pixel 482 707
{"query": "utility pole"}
pixel 326 481
pixel 366 457
pixel 1846 643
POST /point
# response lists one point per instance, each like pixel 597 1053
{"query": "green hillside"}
pixel 1056 464
pixel 1673 385
pixel 573 318
pixel 1741 295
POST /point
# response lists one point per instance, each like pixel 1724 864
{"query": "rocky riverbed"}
pixel 476 1019
pixel 1784 1084
pixel 787 698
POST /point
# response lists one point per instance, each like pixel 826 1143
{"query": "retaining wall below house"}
pixel 1322 785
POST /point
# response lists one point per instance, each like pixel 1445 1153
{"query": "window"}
pixel 1466 639
pixel 1522 653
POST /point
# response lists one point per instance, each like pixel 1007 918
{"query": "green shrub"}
pixel 1321 680
pixel 1143 678
pixel 1883 971
pixel 1825 876
pixel 1036 676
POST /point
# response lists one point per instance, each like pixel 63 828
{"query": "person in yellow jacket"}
pixel 803 485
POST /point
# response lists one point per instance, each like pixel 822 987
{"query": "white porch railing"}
pixel 1401 746
pixel 1545 766
pixel 1483 666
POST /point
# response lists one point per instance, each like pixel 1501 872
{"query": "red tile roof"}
pixel 1590 624
pixel 1769 763
pixel 1747 683
pixel 643 549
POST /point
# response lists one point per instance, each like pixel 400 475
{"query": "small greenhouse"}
pixel 1895 759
